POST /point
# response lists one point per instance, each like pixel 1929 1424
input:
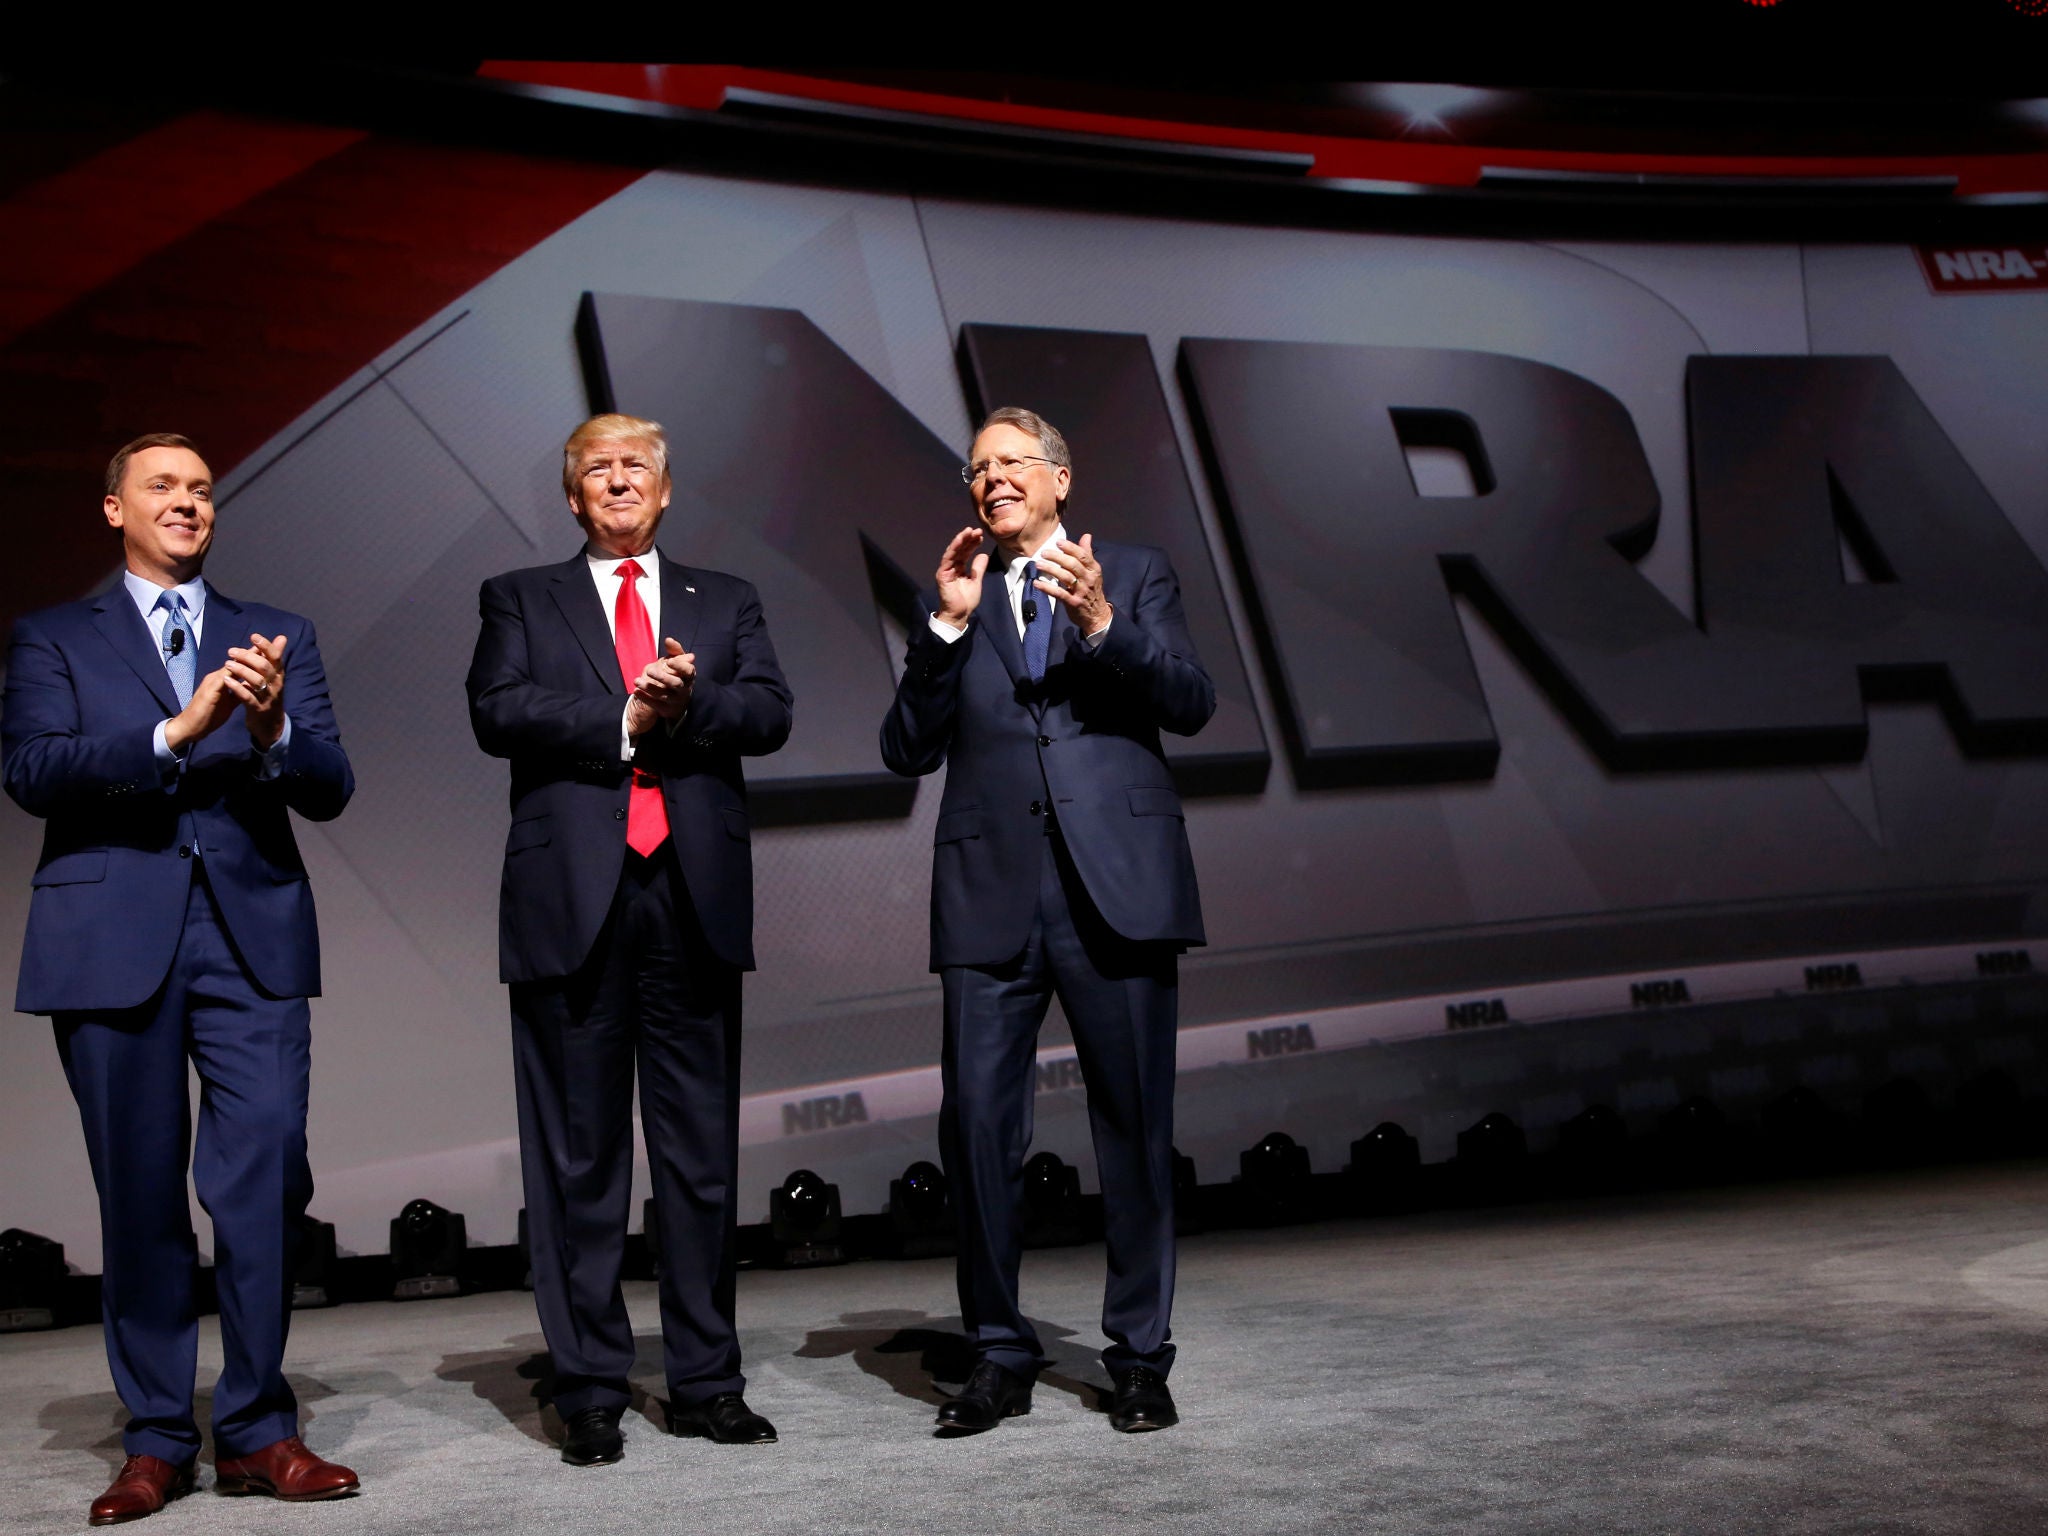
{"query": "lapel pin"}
pixel 689 589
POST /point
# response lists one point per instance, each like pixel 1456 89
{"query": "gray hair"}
pixel 1049 440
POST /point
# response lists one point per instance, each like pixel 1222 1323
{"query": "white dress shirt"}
pixel 604 571
pixel 145 593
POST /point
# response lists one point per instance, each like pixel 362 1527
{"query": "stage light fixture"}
pixel 1493 1158
pixel 1053 1217
pixel 921 1213
pixel 1592 1147
pixel 1693 1141
pixel 1386 1167
pixel 1801 1130
pixel 313 1265
pixel 805 1223
pixel 1273 1180
pixel 31 1280
pixel 1991 1117
pixel 427 1249
pixel 1899 1123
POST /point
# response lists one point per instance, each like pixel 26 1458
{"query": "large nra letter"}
pixel 798 470
pixel 1797 459
pixel 1352 567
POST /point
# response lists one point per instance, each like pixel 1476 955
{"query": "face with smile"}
pixel 618 496
pixel 164 510
pixel 1019 506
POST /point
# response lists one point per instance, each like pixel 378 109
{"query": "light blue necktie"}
pixel 181 648
pixel 1037 631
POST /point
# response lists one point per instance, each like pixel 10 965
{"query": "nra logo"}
pixel 2004 962
pixel 1986 270
pixel 1832 978
pixel 1055 1075
pixel 828 1113
pixel 1658 994
pixel 1485 1010
pixel 1281 1040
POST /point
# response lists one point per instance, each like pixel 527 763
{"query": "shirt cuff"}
pixel 1094 641
pixel 945 631
pixel 168 763
pixel 271 763
pixel 625 734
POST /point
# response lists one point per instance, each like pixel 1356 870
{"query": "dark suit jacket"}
pixel 86 687
pixel 1086 737
pixel 544 691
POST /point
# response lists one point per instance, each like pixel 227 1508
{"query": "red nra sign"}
pixel 1985 269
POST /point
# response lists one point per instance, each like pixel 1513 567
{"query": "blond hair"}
pixel 613 428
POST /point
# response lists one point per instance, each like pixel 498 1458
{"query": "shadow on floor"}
pixel 913 1353
pixel 93 1421
pixel 517 1381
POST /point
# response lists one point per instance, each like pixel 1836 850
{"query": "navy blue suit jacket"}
pixel 1086 737
pixel 86 687
pixel 545 691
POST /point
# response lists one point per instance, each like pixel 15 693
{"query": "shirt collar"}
pixel 1013 570
pixel 608 565
pixel 144 594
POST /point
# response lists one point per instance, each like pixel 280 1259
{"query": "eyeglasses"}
pixel 1008 467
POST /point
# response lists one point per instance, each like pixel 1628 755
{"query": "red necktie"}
pixel 633 640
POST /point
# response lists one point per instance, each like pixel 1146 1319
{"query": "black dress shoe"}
pixel 591 1438
pixel 991 1395
pixel 725 1418
pixel 1142 1402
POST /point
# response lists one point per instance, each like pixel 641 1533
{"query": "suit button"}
pixel 1045 741
pixel 184 850
pixel 619 815
pixel 1037 807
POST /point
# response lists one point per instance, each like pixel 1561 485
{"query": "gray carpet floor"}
pixel 1865 1355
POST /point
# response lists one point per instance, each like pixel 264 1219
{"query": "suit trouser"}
pixel 1121 999
pixel 655 995
pixel 127 1070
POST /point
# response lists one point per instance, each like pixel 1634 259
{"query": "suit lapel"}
pixel 575 595
pixel 999 623
pixel 114 615
pixel 220 626
pixel 682 609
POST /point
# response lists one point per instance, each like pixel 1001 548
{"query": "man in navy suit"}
pixel 625 919
pixel 1061 867
pixel 172 921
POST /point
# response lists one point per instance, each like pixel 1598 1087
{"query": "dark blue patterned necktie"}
pixel 1037 630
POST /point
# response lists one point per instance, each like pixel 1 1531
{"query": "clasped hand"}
pixel 252 680
pixel 662 690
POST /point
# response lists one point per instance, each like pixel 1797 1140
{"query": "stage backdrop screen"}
pixel 1596 627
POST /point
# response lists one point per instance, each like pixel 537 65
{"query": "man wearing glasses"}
pixel 1061 867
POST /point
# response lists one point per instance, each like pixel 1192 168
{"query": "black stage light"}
pixel 1386 1168
pixel 313 1265
pixel 1694 1143
pixel 1273 1180
pixel 427 1248
pixel 1899 1123
pixel 921 1213
pixel 1802 1131
pixel 1992 1119
pixel 1052 1203
pixel 1592 1148
pixel 804 1221
pixel 1187 1196
pixel 1493 1158
pixel 31 1280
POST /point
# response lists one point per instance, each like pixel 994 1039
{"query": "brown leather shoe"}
pixel 284 1470
pixel 144 1485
